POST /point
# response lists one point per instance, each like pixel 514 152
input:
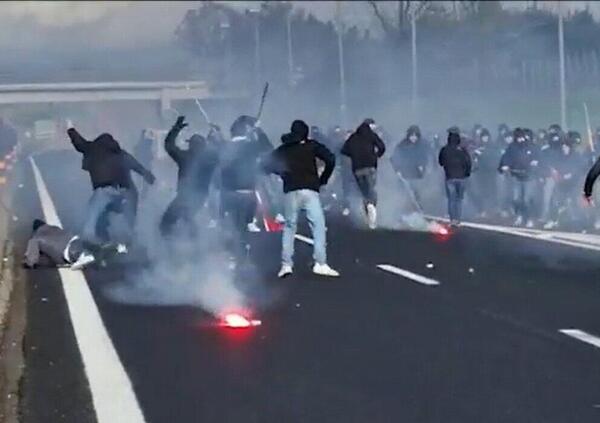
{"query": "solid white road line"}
pixel 410 275
pixel 532 233
pixel 112 392
pixel 305 239
pixel 582 336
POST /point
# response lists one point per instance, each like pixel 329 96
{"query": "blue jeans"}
pixel 102 201
pixel 455 191
pixel 310 202
pixel 523 197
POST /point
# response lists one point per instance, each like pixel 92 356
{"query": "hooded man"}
pixel 364 148
pixel 520 160
pixel 110 169
pixel 295 161
pixel 410 159
pixel 239 174
pixel 456 162
pixel 53 246
pixel 195 169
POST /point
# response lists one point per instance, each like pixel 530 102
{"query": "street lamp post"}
pixel 415 82
pixel 340 30
pixel 561 53
pixel 290 50
pixel 257 67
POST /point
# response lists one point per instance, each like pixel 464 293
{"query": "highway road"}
pixel 489 324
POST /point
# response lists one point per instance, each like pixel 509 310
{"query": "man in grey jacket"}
pixel 53 246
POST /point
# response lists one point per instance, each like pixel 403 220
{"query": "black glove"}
pixel 150 178
pixel 180 124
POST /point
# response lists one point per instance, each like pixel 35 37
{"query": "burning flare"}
pixel 235 320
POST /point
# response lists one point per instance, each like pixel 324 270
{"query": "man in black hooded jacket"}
pixel 195 170
pixel 456 162
pixel 295 161
pixel 110 169
pixel 521 160
pixel 364 147
pixel 239 174
pixel 409 160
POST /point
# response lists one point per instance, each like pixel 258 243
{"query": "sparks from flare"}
pixel 235 320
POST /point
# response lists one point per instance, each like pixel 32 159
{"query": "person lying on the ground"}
pixel 51 245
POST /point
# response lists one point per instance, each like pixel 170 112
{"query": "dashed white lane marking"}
pixel 589 242
pixel 582 336
pixel 305 239
pixel 410 275
pixel 112 392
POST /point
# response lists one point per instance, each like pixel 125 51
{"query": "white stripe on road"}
pixel 590 242
pixel 582 336
pixel 305 239
pixel 410 275
pixel 112 393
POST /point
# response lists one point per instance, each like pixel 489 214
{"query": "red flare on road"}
pixel 235 320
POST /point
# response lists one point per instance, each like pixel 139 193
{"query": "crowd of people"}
pixel 532 178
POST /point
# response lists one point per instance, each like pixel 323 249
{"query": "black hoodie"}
pixel 364 147
pixel 101 158
pixel 295 160
pixel 195 165
pixel 240 157
pixel 455 159
pixel 410 158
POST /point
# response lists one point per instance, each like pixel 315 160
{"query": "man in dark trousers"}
pixel 195 170
pixel 364 147
pixel 239 178
pixel 520 160
pixel 110 169
pixel 295 161
pixel 409 160
pixel 457 167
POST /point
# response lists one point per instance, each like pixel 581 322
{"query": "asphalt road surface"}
pixel 418 328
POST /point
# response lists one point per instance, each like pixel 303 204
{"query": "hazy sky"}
pixel 40 25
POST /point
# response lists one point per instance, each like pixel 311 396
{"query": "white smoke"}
pixel 61 13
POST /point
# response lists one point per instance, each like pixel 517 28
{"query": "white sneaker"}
pixel 253 226
pixel 346 212
pixel 279 218
pixel 82 261
pixel 529 224
pixel 122 249
pixel 324 270
pixel 286 270
pixel 519 221
pixel 372 216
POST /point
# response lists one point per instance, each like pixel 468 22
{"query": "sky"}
pixel 28 25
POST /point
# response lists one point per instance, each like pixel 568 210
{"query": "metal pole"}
pixel 340 30
pixel 257 49
pixel 415 82
pixel 561 52
pixel 290 50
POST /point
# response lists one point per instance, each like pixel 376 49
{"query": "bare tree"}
pixel 400 24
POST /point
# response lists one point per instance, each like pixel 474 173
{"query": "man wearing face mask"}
pixel 520 161
pixel 485 158
pixel 240 178
pixel 364 148
pixel 195 169
pixel 550 159
pixel 409 161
